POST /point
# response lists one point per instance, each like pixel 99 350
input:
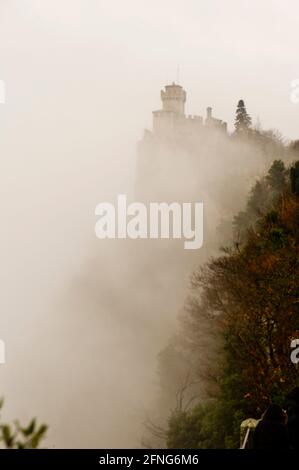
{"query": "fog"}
pixel 83 319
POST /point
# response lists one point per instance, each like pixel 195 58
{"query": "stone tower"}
pixel 171 146
pixel 174 99
pixel 172 115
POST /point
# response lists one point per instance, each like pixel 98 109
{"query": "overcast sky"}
pixel 82 78
pixel 130 49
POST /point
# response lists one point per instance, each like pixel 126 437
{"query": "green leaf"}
pixel 38 436
pixel 30 428
pixel 7 436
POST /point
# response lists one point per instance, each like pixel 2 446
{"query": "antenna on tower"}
pixel 178 75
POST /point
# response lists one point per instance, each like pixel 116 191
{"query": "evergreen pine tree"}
pixel 295 178
pixel 243 120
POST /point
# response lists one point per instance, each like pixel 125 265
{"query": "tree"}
pixel 15 436
pixel 277 176
pixel 261 198
pixel 242 120
pixel 294 145
pixel 295 178
pixel 251 292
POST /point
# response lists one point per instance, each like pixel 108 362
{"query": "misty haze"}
pixel 136 98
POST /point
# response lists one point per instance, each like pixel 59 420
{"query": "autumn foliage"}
pixel 251 293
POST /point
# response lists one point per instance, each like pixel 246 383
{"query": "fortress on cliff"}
pixel 171 119
pixel 165 152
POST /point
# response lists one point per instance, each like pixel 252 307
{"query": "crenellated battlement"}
pixel 171 119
